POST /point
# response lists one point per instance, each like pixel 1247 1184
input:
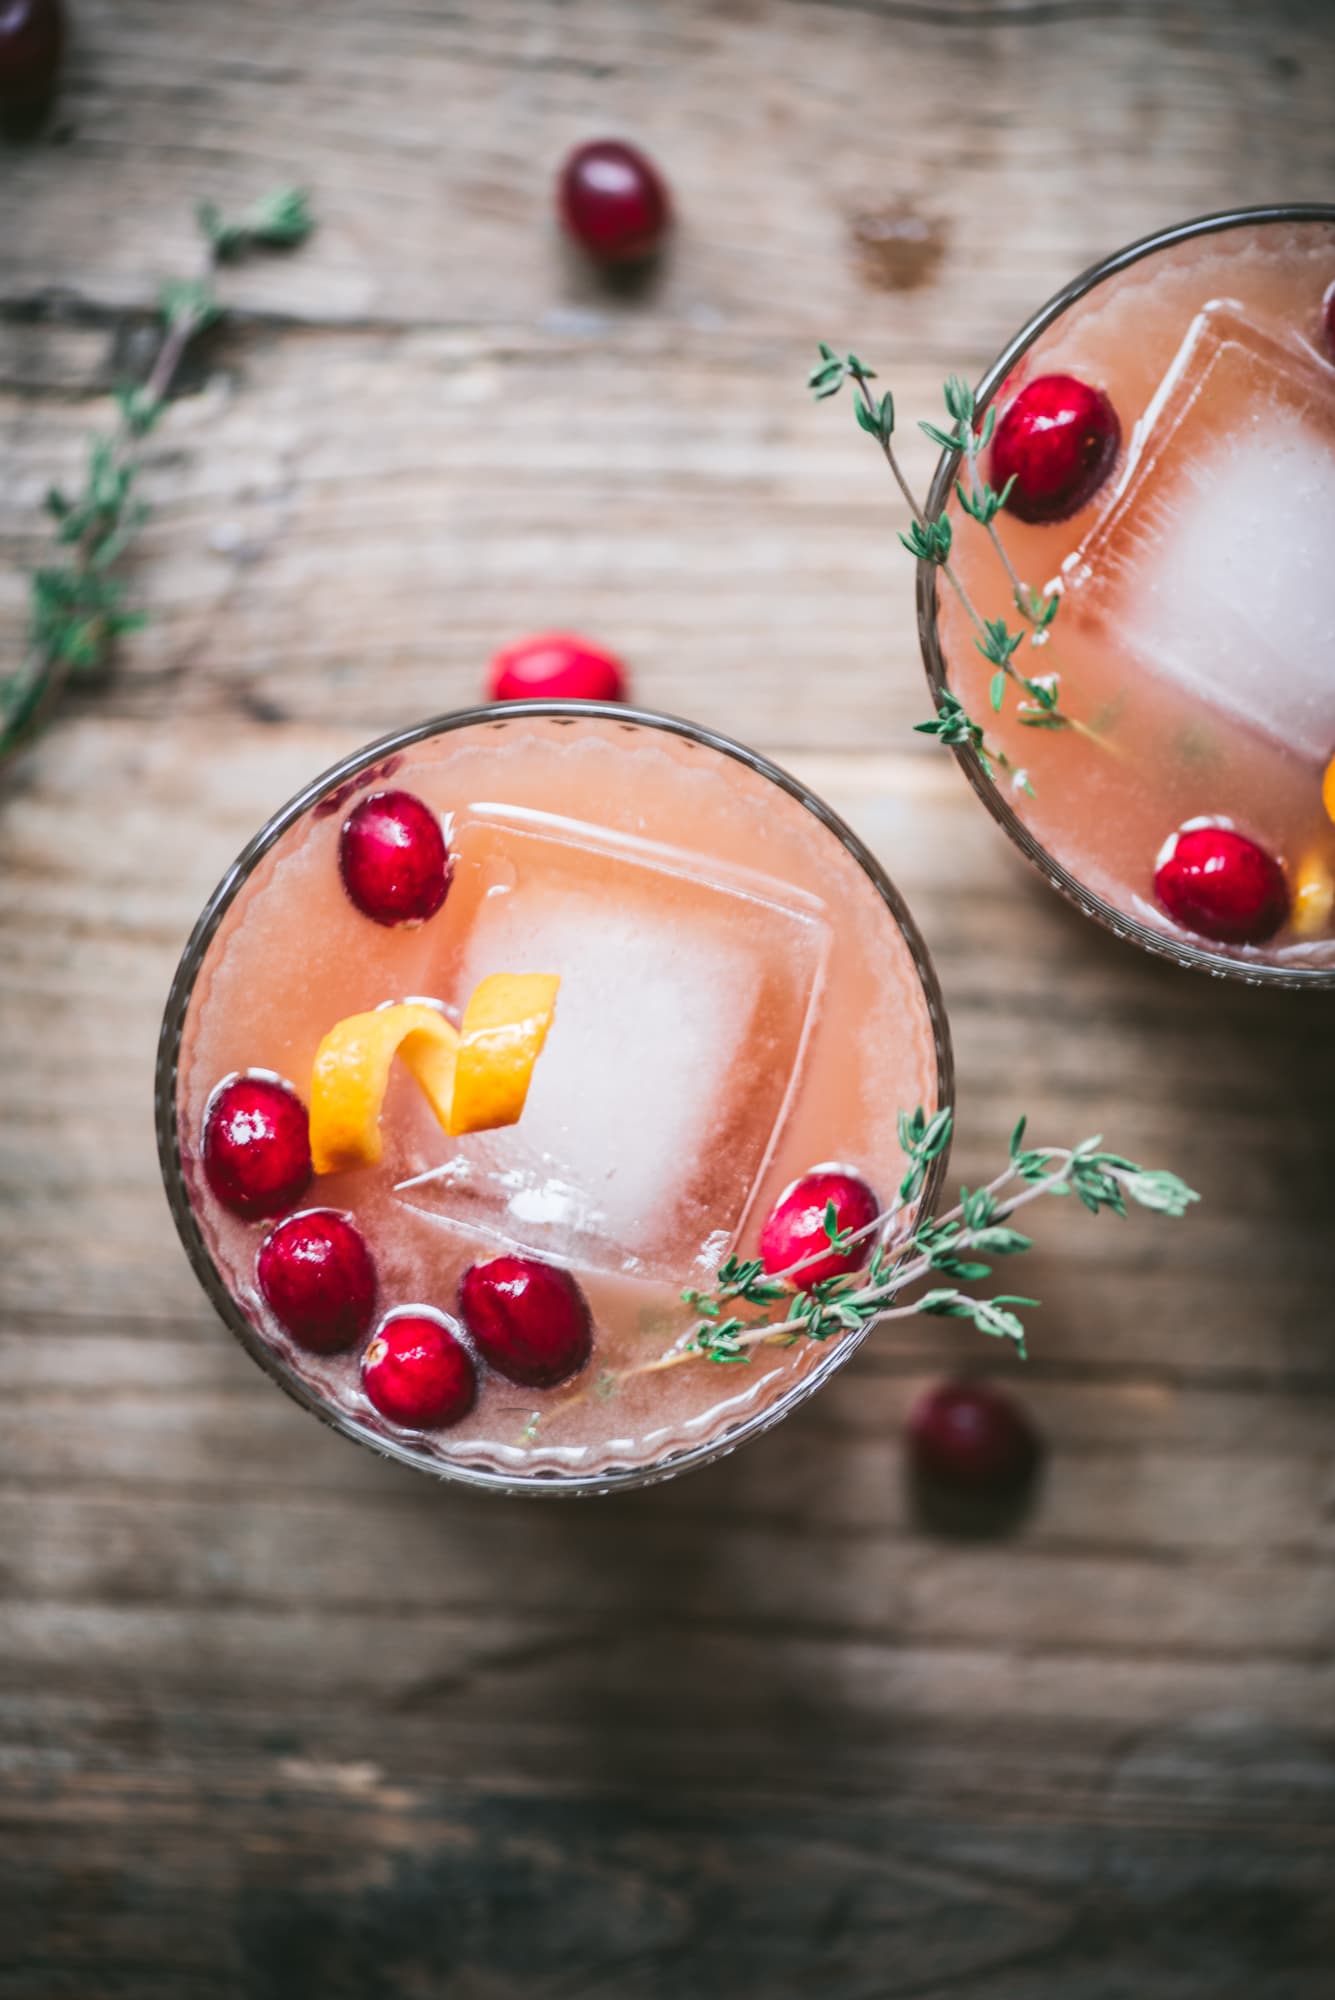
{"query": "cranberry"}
pixel 795 1228
pixel 1222 885
pixel 317 1275
pixel 614 202
pixel 530 1320
pixel 1058 440
pixel 393 859
pixel 972 1438
pixel 418 1372
pixel 257 1146
pixel 559 666
pixel 1328 320
pixel 32 35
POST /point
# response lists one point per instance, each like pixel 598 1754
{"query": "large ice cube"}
pixel 1213 561
pixel 686 994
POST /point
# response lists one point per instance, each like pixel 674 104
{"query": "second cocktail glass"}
pixel 1175 792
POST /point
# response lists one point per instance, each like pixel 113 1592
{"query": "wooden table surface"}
pixel 277 1719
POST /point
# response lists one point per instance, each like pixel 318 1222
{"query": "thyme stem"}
pixel 884 438
pixel 45 672
pixel 877 1301
pixel 931 540
pixel 908 1250
pixel 76 614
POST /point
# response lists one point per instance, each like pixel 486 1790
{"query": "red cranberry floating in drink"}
pixel 972 1438
pixel 1328 320
pixel 393 859
pixel 32 36
pixel 316 1273
pixel 1058 440
pixel 795 1228
pixel 1218 883
pixel 418 1372
pixel 559 667
pixel 614 202
pixel 257 1149
pixel 529 1320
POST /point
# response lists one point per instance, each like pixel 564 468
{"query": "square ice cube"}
pixel 687 992
pixel 1212 561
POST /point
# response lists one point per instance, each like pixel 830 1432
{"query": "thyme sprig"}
pixel 749 1307
pixel 931 540
pixel 77 606
pixel 909 1251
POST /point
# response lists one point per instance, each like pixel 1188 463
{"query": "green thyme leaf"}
pixel 948 440
pixel 76 610
pixel 279 221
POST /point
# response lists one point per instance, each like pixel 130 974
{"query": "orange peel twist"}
pixel 475 1078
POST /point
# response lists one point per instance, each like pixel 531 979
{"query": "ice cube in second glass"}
pixel 1212 560
pixel 687 992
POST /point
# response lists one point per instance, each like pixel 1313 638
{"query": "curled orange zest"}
pixel 474 1078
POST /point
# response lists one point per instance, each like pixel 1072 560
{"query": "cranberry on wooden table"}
pixel 556 666
pixel 614 202
pixel 32 37
pixel 971 1437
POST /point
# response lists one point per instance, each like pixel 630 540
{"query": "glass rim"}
pixel 1160 944
pixel 278 1369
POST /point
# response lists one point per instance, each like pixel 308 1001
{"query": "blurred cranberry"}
pixel 32 36
pixel 1328 320
pixel 972 1438
pixel 556 666
pixel 613 202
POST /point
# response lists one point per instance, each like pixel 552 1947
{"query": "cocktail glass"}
pixel 566 805
pixel 1062 857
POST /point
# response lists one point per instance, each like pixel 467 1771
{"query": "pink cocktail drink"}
pixel 1191 660
pixel 742 998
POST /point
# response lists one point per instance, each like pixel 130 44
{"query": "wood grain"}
pixel 279 1719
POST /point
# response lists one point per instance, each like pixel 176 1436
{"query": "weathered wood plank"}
pixel 352 520
pixel 492 1654
pixel 326 1557
pixel 364 1883
pixel 348 527
pixel 1038 136
pixel 277 1718
pixel 364 1886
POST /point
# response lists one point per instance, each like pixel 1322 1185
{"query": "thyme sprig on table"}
pixel 909 1251
pixel 77 601
pixel 931 540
